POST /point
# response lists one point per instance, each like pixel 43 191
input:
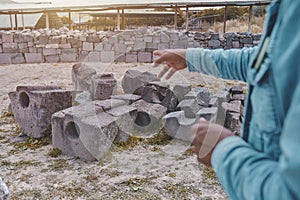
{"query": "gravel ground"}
pixel 155 168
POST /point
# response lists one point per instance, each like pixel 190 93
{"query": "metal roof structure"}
pixel 24 7
pixel 11 6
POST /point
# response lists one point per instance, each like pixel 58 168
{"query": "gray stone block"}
pixel 139 46
pixel 82 77
pixel 233 122
pixel 178 126
pixel 52 59
pixel 214 43
pixel 87 46
pixel 103 86
pixel 7 38
pixel 148 118
pixel 5 58
pixel 128 98
pixel 34 58
pixel 107 56
pixel 202 96
pixel 88 130
pixel 235 44
pixel 133 79
pixel 93 57
pixel 17 58
pixel 68 57
pixel 98 47
pixel 131 58
pixel 190 107
pixel 207 113
pixel 33 106
pixel 10 48
pixel 180 90
pixel 144 57
pixel 233 106
pixel 48 52
pixel 120 48
pixel 221 96
pixel 158 93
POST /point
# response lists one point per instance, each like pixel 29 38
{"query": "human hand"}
pixel 174 58
pixel 206 137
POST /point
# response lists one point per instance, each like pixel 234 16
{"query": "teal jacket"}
pixel 264 162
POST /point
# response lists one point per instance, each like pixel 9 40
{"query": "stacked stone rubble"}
pixel 137 45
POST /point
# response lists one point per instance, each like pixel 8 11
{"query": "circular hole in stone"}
pixel 142 119
pixel 24 99
pixel 72 130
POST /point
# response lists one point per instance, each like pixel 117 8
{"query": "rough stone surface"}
pixel 148 119
pixel 107 56
pixel 88 130
pixel 180 90
pixel 202 96
pixel 134 79
pixel 158 93
pixel 33 106
pixel 128 98
pixel 103 86
pixel 34 58
pixel 190 107
pixel 178 126
pixel 207 113
pixel 82 77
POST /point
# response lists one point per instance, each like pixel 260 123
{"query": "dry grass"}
pixel 240 25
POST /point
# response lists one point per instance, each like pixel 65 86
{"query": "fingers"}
pixel 171 73
pixel 163 57
pixel 163 71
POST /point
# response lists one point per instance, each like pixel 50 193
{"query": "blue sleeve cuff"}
pixel 223 149
pixel 193 59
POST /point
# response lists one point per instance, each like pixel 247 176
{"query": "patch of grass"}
pixel 210 177
pixel 33 143
pixel 159 139
pixel 54 152
pixel 130 143
pixel 180 190
pixel 60 165
pixel 23 164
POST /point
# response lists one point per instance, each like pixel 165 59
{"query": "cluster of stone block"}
pixel 223 107
pixel 212 40
pixel 89 128
pixel 137 45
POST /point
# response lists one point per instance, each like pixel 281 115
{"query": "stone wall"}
pixel 62 45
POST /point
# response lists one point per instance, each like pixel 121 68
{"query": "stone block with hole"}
pixel 133 79
pixel 103 86
pixel 178 126
pixel 148 118
pixel 88 130
pixel 159 93
pixel 33 106
pixel 190 107
pixel 181 89
pixel 201 95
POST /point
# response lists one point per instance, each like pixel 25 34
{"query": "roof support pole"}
pixel 47 20
pixel 225 18
pixel 250 18
pixel 23 24
pixel 175 18
pixel 123 20
pixel 16 21
pixel 70 20
pixel 11 22
pixel 118 20
pixel 187 18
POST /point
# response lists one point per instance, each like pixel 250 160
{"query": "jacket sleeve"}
pixel 227 64
pixel 248 174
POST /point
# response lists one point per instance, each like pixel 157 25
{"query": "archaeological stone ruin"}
pixel 88 120
pixel 52 46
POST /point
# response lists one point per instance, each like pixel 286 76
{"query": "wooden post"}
pixel 70 20
pixel 123 20
pixel 16 21
pixel 47 20
pixel 250 19
pixel 175 18
pixel 23 25
pixel 118 20
pixel 11 22
pixel 225 18
pixel 187 18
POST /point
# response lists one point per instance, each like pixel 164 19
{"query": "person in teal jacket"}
pixel 264 162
